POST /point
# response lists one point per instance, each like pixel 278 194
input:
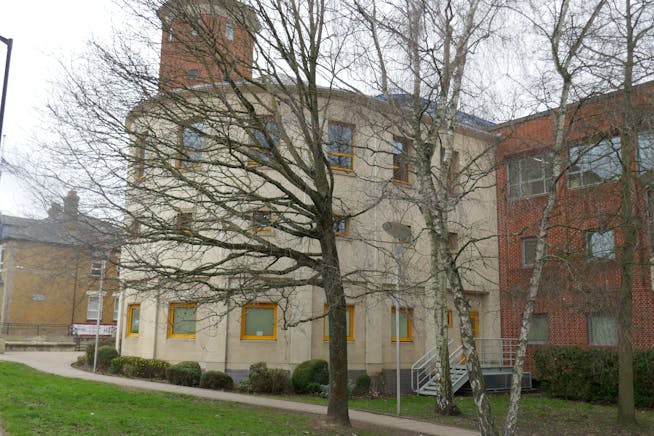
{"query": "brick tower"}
pixel 204 42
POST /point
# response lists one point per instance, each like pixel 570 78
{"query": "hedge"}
pixel 591 374
pixel 216 380
pixel 184 374
pixel 309 374
pixel 132 366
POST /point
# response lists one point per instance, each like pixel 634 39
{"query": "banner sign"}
pixel 90 329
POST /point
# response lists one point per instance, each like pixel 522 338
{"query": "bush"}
pixel 90 349
pixel 216 380
pixel 309 373
pixel 105 354
pixel 184 374
pixel 362 385
pixel 132 366
pixel 264 380
pixel 592 374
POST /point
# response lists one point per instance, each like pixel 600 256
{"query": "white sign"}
pixel 90 329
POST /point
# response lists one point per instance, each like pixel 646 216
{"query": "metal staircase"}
pixel 496 356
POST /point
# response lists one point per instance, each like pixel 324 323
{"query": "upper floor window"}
pixel 262 220
pixel 191 145
pixel 141 157
pixel 529 251
pixel 96 268
pixel 229 31
pixel 602 330
pixel 93 306
pixel 184 222
pixel 600 244
pixel 538 329
pixel 595 163
pixel 338 150
pixel 646 151
pixel 264 141
pixel 529 175
pixel 400 150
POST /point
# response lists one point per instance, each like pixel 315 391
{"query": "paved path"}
pixel 58 362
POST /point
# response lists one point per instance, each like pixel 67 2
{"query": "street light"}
pixel 100 295
pixel 9 42
pixel 401 233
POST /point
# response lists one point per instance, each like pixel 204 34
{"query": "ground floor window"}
pixel 538 329
pixel 349 323
pixel 406 321
pixel 259 321
pixel 133 319
pixel 181 320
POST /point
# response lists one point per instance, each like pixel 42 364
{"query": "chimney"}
pixel 71 203
pixel 55 211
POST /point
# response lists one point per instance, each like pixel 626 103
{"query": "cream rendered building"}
pixel 286 327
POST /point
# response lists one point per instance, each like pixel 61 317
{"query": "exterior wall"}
pixel 573 286
pixel 47 284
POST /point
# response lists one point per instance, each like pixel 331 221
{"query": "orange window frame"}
pixel 350 333
pixel 338 153
pixel 403 166
pixel 255 222
pixel 130 318
pixel 346 223
pixel 244 310
pixel 409 321
pixel 171 320
pixel 449 319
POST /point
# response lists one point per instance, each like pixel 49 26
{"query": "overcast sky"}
pixel 44 32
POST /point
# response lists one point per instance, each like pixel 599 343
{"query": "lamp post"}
pixel 100 294
pixel 9 42
pixel 401 233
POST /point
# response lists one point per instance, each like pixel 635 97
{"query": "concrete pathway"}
pixel 58 363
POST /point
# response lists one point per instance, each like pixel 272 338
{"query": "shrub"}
pixel 105 354
pixel 132 366
pixel 216 380
pixel 310 372
pixel 592 374
pixel 362 385
pixel 90 349
pixel 184 373
pixel 279 380
pixel 265 380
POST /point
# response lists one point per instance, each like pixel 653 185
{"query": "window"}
pixel 646 151
pixel 116 308
pixel 259 321
pixel 449 319
pixel 341 226
pixel 96 268
pixel 474 317
pixel 93 307
pixel 191 145
pixel 452 242
pixel 181 320
pixel 262 220
pixel 338 151
pixel 529 251
pixel 593 164
pixel 349 323
pixel 600 245
pixel 400 150
pixel 2 257
pixel 140 161
pixel 133 319
pixel 529 175
pixel 602 330
pixel 229 31
pixel 264 141
pixel 538 329
pixel 184 222
pixel 406 321
pixel 193 73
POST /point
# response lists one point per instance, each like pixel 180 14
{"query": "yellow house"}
pixel 50 271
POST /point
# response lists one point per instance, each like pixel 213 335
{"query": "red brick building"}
pixel 578 296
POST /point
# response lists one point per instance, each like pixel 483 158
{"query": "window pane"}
pixel 135 318
pixel 646 151
pixel 600 244
pixel 528 251
pixel 595 163
pixel 260 321
pixel 404 324
pixel 93 307
pixel 339 138
pixel 538 329
pixel 603 330
pixel 192 142
pixel 183 320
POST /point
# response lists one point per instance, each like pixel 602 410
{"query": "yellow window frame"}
pixel 406 143
pixel 171 320
pixel 130 318
pixel 244 310
pixel 265 119
pixel 339 154
pixel 350 334
pixel 346 223
pixel 409 327
pixel 182 162
pixel 449 319
pixel 255 223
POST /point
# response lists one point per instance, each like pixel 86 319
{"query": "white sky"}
pixel 43 32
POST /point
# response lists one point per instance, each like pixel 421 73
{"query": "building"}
pixel 372 174
pixel 50 269
pixel 578 297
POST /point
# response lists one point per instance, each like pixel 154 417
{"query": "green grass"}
pixel 32 402
pixel 539 415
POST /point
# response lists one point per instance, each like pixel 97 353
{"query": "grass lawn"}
pixel 539 415
pixel 33 402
